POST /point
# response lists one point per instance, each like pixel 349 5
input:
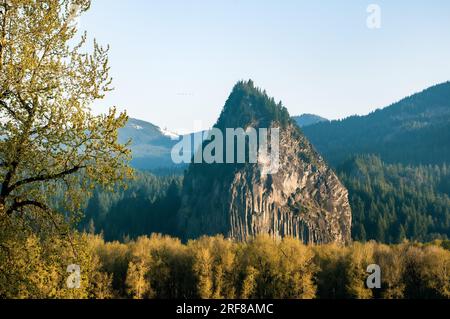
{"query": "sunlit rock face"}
pixel 303 199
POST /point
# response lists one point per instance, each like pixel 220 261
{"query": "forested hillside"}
pixel 415 130
pixel 390 203
pixel 393 202
pixel 148 205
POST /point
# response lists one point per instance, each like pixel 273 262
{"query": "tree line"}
pixel 162 267
pixel 390 203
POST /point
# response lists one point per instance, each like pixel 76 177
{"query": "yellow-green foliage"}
pixel 214 267
pixel 331 277
pixel 359 257
pixel 391 261
pixel 168 265
pixel 427 271
pixel 276 269
pixel 137 281
pixel 53 148
pixel 115 259
pixel 37 268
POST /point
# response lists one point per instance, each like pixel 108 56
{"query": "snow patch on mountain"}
pixel 171 135
pixel 137 127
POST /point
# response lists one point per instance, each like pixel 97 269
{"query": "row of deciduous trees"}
pixel 214 267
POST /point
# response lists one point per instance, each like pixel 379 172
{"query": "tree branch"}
pixel 4 105
pixel 42 178
pixel 19 204
pixel 25 105
pixel 5 185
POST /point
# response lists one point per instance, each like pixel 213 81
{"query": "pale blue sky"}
pixel 175 61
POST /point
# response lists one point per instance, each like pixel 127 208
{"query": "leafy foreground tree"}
pixel 51 145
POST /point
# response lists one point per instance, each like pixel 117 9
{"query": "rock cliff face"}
pixel 304 199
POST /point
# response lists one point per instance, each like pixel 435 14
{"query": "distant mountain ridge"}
pixel 150 145
pixel 415 130
pixel 308 119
